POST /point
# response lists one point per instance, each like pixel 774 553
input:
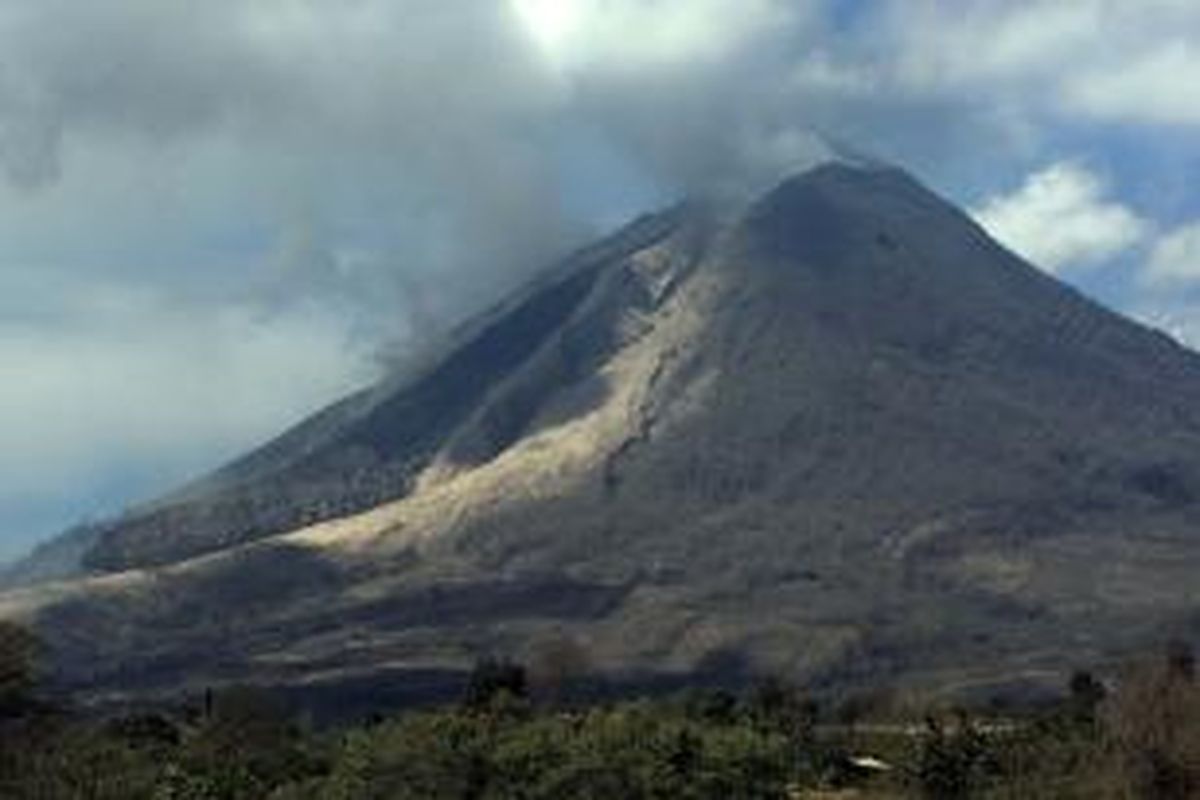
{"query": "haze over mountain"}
pixel 837 433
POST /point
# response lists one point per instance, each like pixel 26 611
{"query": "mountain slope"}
pixel 368 448
pixel 839 433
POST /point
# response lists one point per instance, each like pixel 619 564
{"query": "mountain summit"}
pixel 839 434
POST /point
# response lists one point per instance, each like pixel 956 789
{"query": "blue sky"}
pixel 215 217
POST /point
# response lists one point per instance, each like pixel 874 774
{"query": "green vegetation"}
pixel 20 651
pixel 1139 740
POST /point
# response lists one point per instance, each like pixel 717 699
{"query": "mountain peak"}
pixel 854 188
pixel 843 431
pixel 835 215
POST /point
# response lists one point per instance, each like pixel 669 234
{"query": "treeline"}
pixel 1138 736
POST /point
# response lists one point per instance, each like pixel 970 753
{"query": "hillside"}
pixel 839 434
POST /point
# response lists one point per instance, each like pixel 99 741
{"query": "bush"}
pixel 1154 724
pixel 953 761
pixel 490 678
pixel 20 652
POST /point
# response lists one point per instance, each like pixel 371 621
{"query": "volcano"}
pixel 837 434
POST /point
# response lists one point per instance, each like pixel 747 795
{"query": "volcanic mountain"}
pixel 836 434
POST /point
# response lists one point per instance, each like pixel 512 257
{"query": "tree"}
pixel 952 761
pixel 20 653
pixel 1087 693
pixel 554 663
pixel 492 678
pixel 1181 660
pixel 1154 721
pixel 245 744
pixel 776 704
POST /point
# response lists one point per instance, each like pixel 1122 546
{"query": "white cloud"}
pixel 1176 317
pixel 131 377
pixel 1160 86
pixel 986 42
pixel 1175 258
pixel 1098 59
pixel 635 35
pixel 1166 292
pixel 1060 218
